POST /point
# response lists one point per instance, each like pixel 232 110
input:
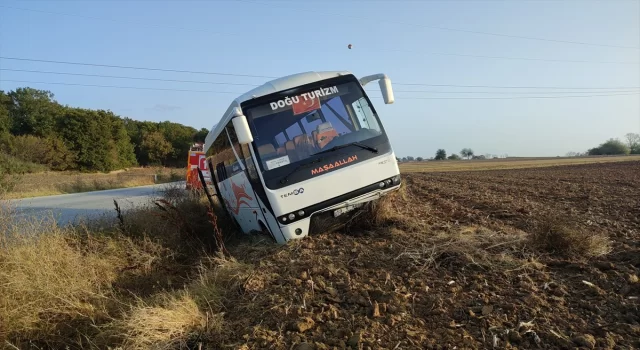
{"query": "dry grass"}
pixel 179 319
pixel 467 246
pixel 104 285
pixel 400 209
pixel 58 282
pixel 565 239
pixel 54 183
pixel 510 163
pixel 167 325
pixel 221 274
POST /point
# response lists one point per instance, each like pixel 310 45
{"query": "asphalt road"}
pixel 69 208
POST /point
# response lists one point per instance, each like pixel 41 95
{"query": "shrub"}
pixel 11 170
pixel 610 147
pixel 50 152
pixel 13 166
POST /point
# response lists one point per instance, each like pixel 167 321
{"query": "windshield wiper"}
pixel 300 166
pixel 361 145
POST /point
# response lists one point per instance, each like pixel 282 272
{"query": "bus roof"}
pixel 269 87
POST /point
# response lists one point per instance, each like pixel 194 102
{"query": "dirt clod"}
pixel 376 309
pixel 604 265
pixel 302 325
pixel 515 337
pixel 354 340
pixel 586 340
pixel 304 346
pixel 487 309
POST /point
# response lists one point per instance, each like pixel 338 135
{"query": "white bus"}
pixel 300 148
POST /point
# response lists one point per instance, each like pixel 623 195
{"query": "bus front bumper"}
pixel 338 207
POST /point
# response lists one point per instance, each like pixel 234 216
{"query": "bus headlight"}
pixel 293 217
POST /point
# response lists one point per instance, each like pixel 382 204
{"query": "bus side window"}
pixel 252 174
pixel 245 153
pixel 232 162
pixel 220 172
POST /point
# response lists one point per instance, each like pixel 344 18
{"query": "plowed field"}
pixel 543 258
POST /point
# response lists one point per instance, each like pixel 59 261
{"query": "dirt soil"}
pixel 450 262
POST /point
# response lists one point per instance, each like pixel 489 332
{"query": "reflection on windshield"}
pixel 298 127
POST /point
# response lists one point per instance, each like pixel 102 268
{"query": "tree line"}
pixel 36 129
pixel 613 146
pixel 441 154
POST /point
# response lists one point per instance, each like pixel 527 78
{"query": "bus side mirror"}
pixel 387 90
pixel 242 129
pixel 385 86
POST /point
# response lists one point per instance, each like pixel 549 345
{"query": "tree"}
pixel 181 138
pixel 467 153
pixel 124 154
pixel 33 112
pixel 610 147
pixel 454 156
pixel 410 158
pixel 89 136
pixel 419 159
pixel 58 155
pixel 5 121
pixel 633 141
pixel 155 147
pixel 201 135
pixel 441 154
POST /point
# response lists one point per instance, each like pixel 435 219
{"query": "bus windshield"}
pixel 297 127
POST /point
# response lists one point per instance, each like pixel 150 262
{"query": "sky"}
pixel 431 42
